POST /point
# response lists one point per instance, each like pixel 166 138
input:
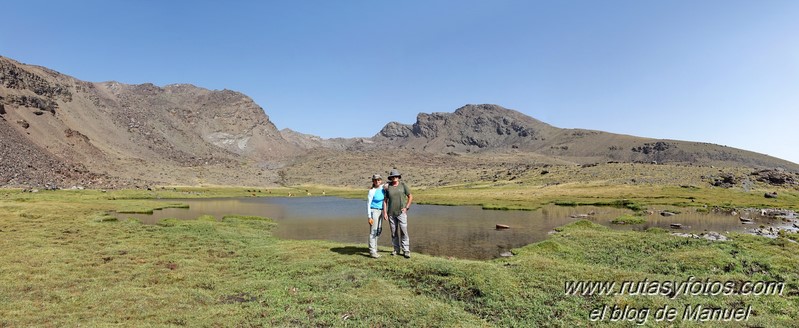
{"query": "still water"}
pixel 458 231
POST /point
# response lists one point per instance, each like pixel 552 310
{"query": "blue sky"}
pixel 725 72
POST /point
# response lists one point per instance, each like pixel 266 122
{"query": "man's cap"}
pixel 394 173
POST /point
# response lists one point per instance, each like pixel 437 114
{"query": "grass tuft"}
pixel 629 219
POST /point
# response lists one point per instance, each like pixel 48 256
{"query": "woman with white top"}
pixel 374 208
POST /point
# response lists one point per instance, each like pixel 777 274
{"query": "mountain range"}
pixel 58 131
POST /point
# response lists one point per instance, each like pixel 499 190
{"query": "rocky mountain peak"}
pixel 394 130
pixel 480 109
pixel 471 127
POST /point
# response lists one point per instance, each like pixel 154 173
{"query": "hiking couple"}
pixel 390 202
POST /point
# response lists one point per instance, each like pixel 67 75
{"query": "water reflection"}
pixel 458 231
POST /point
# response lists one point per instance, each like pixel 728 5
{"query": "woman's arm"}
pixel 369 197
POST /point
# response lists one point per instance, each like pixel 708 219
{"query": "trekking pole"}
pixel 379 226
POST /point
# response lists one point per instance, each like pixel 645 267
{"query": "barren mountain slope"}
pixel 25 163
pixel 179 134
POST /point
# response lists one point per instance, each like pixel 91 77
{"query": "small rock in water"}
pixel 506 254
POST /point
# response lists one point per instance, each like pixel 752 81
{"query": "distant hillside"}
pixel 308 141
pixel 491 128
pixel 57 131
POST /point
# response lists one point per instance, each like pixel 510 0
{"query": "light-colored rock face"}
pixel 234 143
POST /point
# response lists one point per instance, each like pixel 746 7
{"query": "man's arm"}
pixel 385 208
pixel 410 199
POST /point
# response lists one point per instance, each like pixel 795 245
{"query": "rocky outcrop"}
pixel 724 180
pixel 651 148
pixel 13 76
pixel 469 128
pixel 69 133
pixel 33 102
pixel 777 177
pixel 395 130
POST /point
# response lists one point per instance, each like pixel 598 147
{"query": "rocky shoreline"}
pixel 786 220
pixel 773 223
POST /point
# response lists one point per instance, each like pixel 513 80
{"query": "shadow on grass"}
pixel 352 250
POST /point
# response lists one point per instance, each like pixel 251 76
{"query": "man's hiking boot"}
pixel 374 255
pixel 407 255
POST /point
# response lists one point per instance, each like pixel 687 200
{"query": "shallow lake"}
pixel 458 231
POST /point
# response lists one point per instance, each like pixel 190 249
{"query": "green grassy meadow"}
pixel 66 262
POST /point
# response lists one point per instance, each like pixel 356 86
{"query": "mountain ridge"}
pixel 478 128
pixel 112 134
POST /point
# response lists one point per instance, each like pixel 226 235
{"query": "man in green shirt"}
pixel 395 209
